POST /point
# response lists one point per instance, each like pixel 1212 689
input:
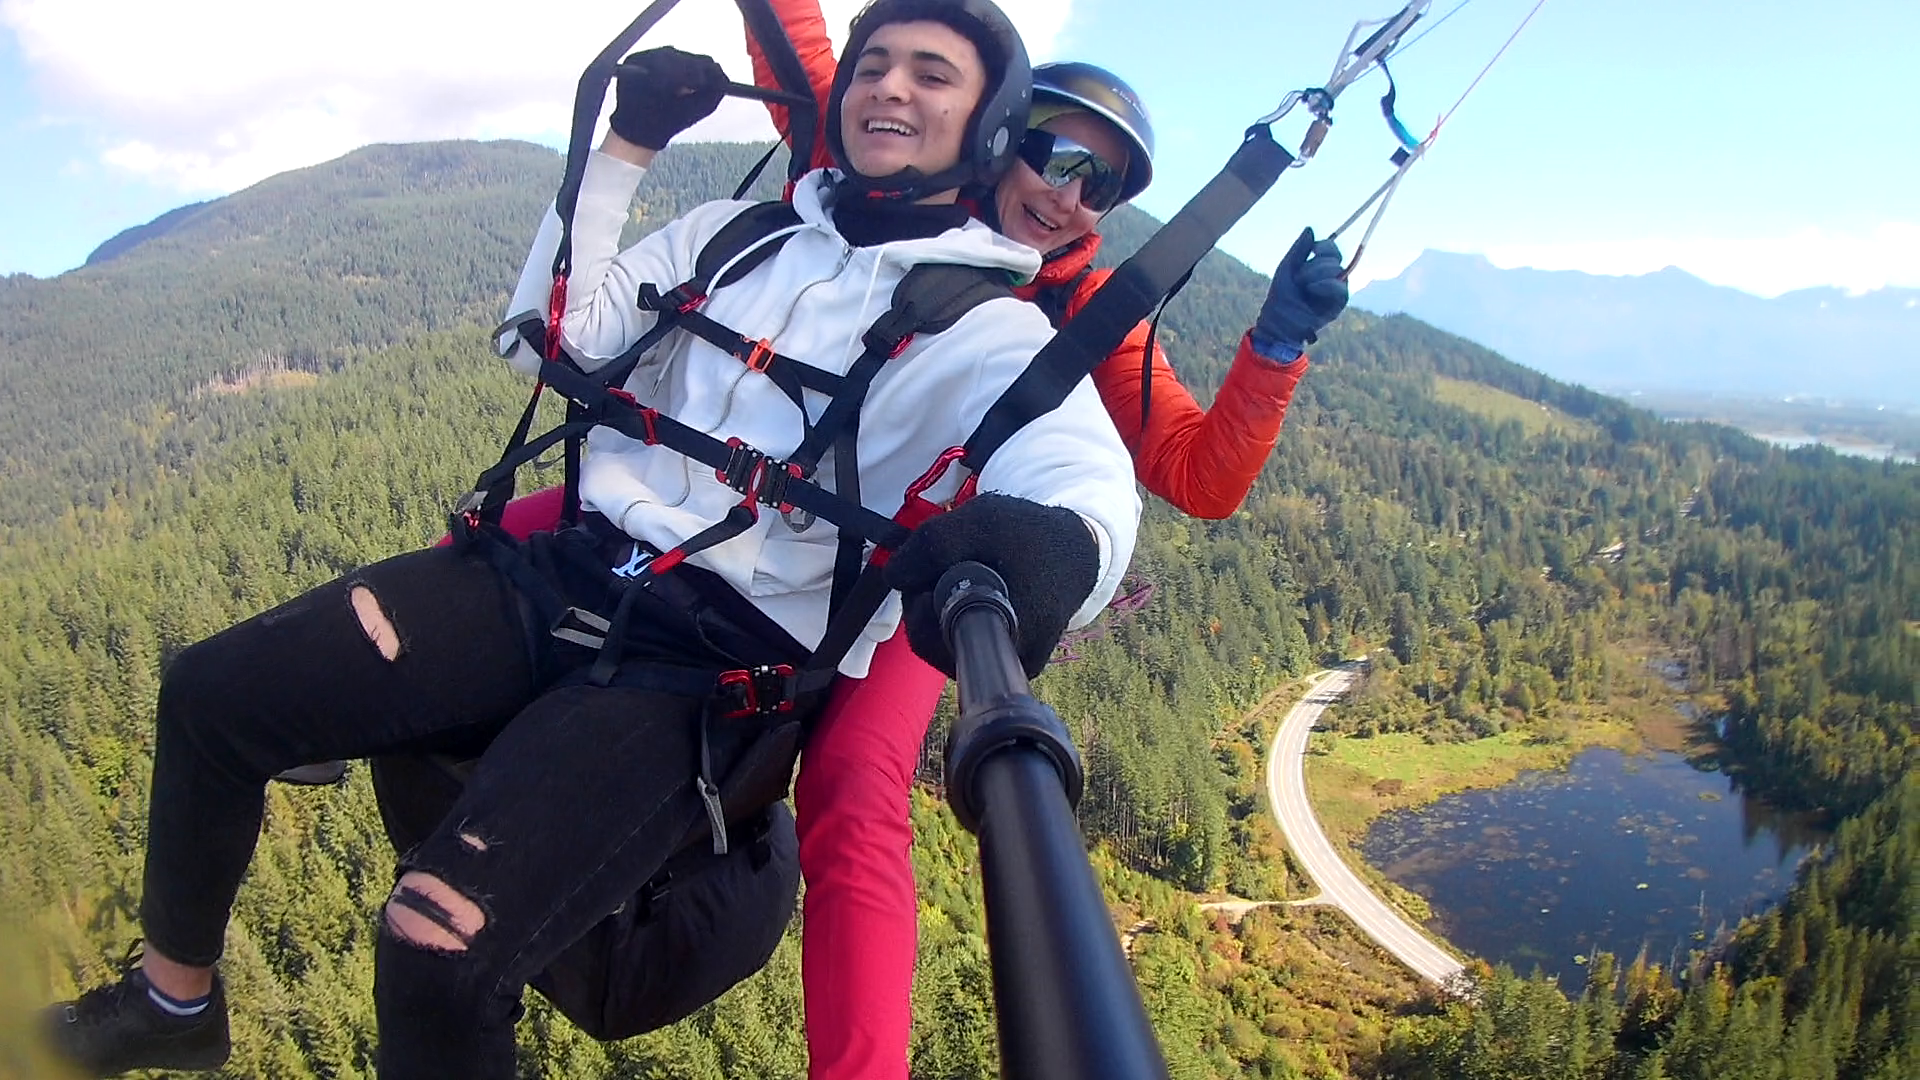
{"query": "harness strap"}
pixel 851 551
pixel 843 411
pixel 929 299
pixel 759 355
pixel 770 482
pixel 1052 300
pixel 738 520
pixel 591 95
pixel 793 377
pixel 710 791
pixel 1131 293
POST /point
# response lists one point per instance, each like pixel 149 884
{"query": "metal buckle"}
pixel 580 617
pixel 760 478
pixel 770 481
pixel 743 464
pixel 760 690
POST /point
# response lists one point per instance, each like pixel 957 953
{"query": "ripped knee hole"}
pixel 425 911
pixel 374 621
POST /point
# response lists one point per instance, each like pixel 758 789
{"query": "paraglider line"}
pixel 1435 25
pixel 1483 71
pixel 1384 194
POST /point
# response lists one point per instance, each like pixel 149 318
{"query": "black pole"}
pixel 1066 999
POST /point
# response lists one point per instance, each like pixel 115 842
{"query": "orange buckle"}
pixel 760 356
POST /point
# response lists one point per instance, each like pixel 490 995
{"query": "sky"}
pixel 1764 145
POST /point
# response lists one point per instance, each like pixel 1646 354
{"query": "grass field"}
pixel 1351 780
pixel 1498 405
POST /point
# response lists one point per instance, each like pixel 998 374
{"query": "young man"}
pixel 587 780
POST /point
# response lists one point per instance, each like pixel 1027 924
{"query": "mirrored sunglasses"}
pixel 1059 160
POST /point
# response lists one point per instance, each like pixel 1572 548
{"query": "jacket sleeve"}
pixel 1069 457
pixel 807 28
pixel 1203 461
pixel 601 318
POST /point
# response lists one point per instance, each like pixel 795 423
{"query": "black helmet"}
pixel 1105 95
pixel 993 132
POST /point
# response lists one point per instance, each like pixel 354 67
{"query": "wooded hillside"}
pixel 292 381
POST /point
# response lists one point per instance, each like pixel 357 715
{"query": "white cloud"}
pixel 212 95
pixel 1888 254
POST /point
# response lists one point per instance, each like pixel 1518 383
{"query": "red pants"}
pixel 860 923
pixel 859 926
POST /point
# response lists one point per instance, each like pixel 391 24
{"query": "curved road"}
pixel 1339 885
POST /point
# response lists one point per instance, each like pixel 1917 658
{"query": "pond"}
pixel 1616 853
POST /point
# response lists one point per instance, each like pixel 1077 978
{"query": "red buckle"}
pixel 556 307
pixel 759 356
pixel 760 478
pixel 768 485
pixel 693 300
pixel 740 465
pixel 647 417
pixel 935 471
pixel 900 348
pixel 761 690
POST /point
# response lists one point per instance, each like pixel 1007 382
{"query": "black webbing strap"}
pixel 803 119
pixel 588 99
pixel 869 591
pixel 1146 356
pixel 494 489
pixel 929 299
pixel 746 182
pixel 1131 293
pixel 495 486
pixel 790 375
pixel 591 94
pixel 570 488
pixel 738 520
pixel 743 233
pixel 770 483
pixel 850 551
pixel 1052 300
pixel 740 237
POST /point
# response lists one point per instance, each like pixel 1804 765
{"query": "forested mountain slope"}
pixel 1501 534
pixel 303 272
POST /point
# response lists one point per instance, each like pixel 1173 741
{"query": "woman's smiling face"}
pixel 1045 218
pixel 914 89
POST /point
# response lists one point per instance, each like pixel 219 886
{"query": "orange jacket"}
pixel 1202 461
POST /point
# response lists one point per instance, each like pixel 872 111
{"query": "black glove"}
pixel 663 92
pixel 1308 292
pixel 1047 555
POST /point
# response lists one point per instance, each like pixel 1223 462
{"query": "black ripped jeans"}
pixel 580 793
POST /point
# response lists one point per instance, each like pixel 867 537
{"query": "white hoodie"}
pixel 813 300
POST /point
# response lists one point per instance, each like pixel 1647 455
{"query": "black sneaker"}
pixel 113 1029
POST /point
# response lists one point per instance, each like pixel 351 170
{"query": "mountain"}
pixel 303 272
pixel 1670 331
pixel 128 239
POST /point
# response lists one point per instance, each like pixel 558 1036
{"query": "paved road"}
pixel 1339 885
